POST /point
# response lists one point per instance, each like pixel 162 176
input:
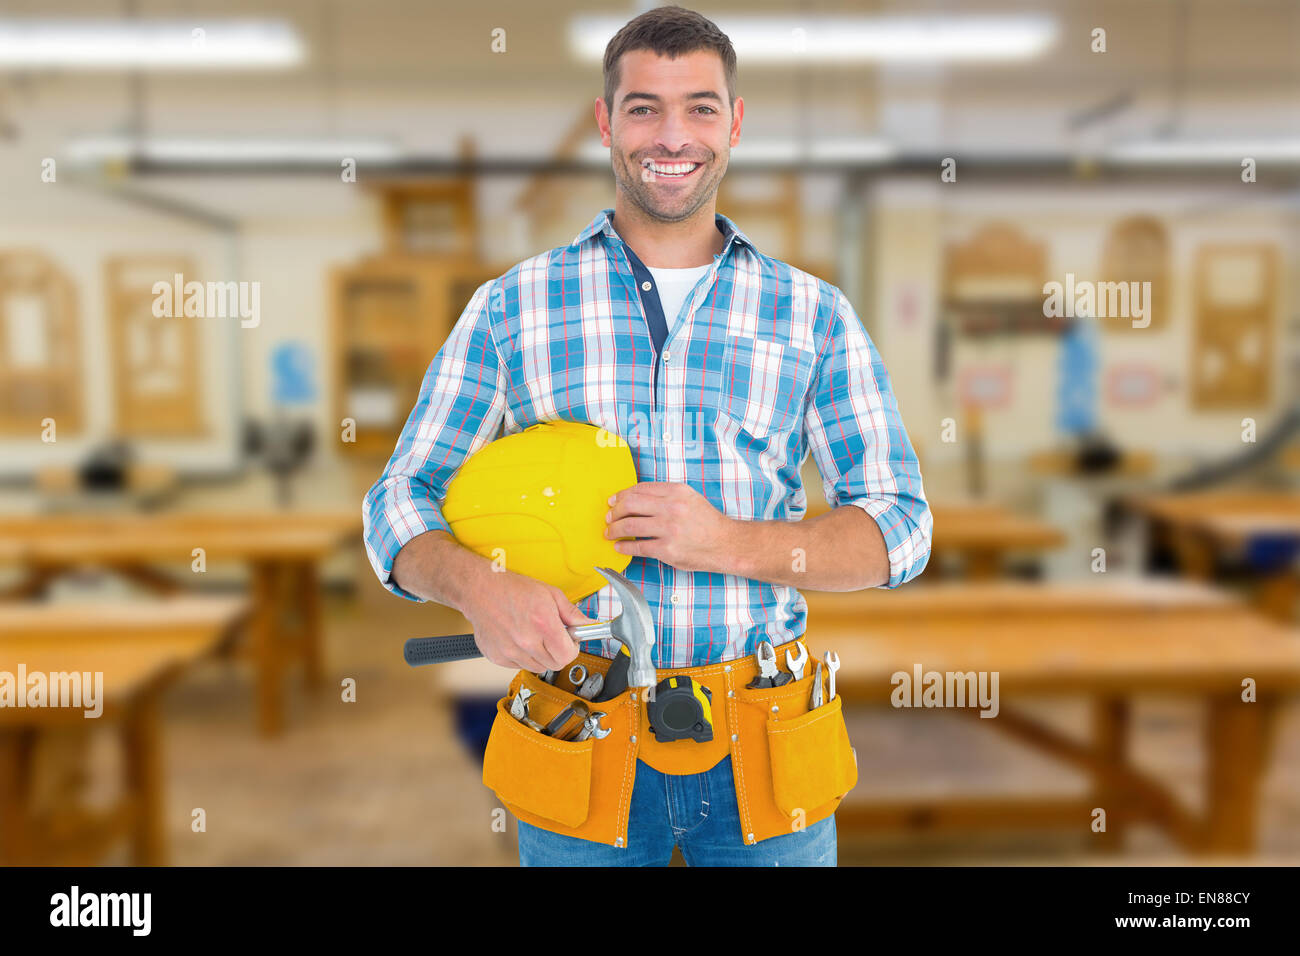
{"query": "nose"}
pixel 672 135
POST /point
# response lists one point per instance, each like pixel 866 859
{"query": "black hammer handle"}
pixel 440 650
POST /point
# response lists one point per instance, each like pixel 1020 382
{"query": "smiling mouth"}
pixel 671 171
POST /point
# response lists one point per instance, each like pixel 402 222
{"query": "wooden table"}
pixel 1109 647
pixel 1058 463
pixel 1200 528
pixel 141 648
pixel 982 534
pixel 985 535
pixel 283 551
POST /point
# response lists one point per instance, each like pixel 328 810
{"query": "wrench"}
pixel 591 727
pixel 832 665
pixel 577 674
pixel 797 664
pixel 817 699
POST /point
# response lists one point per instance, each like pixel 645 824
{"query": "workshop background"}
pixel 1113 485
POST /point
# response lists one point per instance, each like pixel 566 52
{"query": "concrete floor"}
pixel 383 782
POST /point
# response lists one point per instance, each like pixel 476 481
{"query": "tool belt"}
pixel 792 765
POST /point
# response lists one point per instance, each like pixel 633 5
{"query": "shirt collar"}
pixel 602 224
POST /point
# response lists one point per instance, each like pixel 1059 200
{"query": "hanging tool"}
pixel 832 665
pixel 797 664
pixel 591 686
pixel 563 717
pixel 817 699
pixel 680 709
pixel 519 703
pixel 769 675
pixel 591 728
pixel 519 709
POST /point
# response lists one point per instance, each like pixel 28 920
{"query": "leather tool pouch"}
pixel 581 789
pixel 791 766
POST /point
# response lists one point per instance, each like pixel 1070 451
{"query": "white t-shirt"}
pixel 673 285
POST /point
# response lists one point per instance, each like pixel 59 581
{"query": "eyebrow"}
pixel 655 98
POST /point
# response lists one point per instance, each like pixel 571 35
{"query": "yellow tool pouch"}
pixel 791 766
pixel 582 789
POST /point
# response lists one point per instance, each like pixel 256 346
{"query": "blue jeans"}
pixel 696 812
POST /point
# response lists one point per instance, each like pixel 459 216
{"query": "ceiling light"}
pixel 1204 151
pixel 753 152
pixel 190 44
pixel 231 152
pixel 826 39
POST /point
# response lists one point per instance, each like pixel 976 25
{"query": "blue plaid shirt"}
pixel 764 365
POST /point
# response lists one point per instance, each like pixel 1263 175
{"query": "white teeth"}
pixel 671 169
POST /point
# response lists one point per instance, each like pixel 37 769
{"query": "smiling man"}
pixel 661 311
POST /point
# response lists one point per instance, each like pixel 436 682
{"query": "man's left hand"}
pixel 676 523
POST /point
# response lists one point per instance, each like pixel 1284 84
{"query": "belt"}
pixel 792 764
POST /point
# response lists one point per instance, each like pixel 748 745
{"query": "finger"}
pixel 638 549
pixel 560 648
pixel 509 659
pixel 572 617
pixel 528 654
pixel 570 613
pixel 528 661
pixel 640 500
pixel 654 488
pixel 629 506
pixel 640 527
pixel 629 490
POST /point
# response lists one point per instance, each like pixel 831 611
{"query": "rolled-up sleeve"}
pixel 856 436
pixel 459 409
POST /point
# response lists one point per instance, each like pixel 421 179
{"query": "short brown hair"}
pixel 672 32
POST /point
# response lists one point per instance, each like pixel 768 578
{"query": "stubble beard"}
pixel 642 193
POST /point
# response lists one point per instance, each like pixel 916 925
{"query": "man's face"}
pixel 670 131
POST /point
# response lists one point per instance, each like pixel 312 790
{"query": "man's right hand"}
pixel 520 622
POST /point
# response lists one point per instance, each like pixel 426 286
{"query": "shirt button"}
pixel 668 357
pixel 675 598
pixel 646 286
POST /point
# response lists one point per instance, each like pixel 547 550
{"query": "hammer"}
pixel 634 628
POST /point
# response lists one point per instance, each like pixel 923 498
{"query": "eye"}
pixel 634 109
pixel 709 108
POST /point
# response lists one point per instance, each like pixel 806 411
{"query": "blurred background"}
pixel 1113 480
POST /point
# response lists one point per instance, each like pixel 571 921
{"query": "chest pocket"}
pixel 762 385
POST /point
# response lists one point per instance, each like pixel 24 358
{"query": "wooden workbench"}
pixel 983 535
pixel 283 551
pixel 1109 648
pixel 1199 528
pixel 141 648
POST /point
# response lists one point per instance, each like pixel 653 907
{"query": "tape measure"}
pixel 681 709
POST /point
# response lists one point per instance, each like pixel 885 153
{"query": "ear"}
pixel 738 114
pixel 602 121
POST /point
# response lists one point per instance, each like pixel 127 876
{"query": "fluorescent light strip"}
pixel 148 44
pixel 1172 151
pixel 864 151
pixel 825 39
pixel 231 152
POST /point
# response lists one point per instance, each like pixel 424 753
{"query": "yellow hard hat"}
pixel 536 501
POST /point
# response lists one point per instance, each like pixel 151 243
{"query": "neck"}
pixel 669 245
